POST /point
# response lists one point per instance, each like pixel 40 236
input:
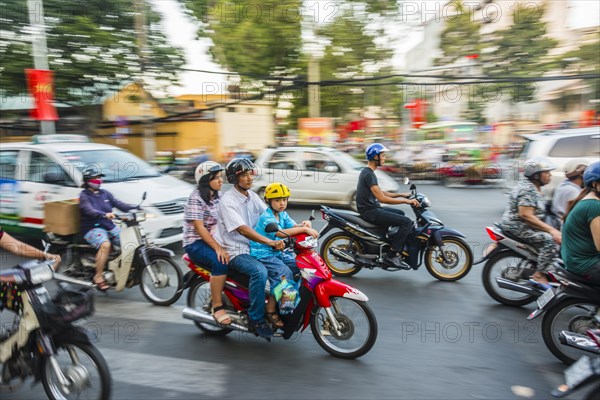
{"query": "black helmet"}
pixel 92 172
pixel 236 167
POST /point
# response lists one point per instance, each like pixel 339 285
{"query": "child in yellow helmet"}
pixel 278 263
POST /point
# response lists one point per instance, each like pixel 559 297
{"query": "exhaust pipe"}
pixel 206 318
pixel 578 341
pixel 341 254
pixel 517 287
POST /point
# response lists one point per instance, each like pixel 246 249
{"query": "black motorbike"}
pixel 573 307
pixel 586 371
pixel 44 343
pixel 360 244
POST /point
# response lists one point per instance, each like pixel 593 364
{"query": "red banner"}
pixel 39 83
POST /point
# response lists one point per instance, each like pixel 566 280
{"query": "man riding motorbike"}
pixel 239 211
pixel 570 188
pixel 369 197
pixel 524 216
pixel 96 206
pixel 581 245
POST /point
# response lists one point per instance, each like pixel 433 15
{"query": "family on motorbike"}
pixel 227 232
pixel 525 214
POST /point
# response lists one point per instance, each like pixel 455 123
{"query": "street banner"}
pixel 316 131
pixel 39 83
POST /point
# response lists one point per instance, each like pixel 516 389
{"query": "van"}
pixel 560 146
pixel 49 168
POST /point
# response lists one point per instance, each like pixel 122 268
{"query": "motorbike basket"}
pixel 69 305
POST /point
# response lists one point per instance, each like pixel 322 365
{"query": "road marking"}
pixel 167 373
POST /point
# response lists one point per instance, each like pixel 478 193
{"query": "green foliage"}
pixel 521 51
pixel 460 37
pixel 91 48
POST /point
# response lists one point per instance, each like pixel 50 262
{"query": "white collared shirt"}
pixel 236 210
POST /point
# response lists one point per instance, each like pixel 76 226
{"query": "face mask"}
pixel 94 183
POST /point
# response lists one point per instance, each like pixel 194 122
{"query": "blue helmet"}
pixel 375 149
pixel 591 174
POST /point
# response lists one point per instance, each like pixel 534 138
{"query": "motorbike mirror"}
pixel 413 186
pixel 312 216
pixel 406 180
pixel 144 196
pixel 272 227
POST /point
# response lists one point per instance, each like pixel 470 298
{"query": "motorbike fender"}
pixel 554 301
pixel 144 254
pixel 332 288
pixel 74 333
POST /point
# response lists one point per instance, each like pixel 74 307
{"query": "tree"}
pixel 460 37
pixel 520 51
pixel 92 48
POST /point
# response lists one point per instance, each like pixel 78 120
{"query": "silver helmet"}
pixel 537 164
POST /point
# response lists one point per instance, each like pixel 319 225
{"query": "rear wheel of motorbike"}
pixel 170 281
pixel 508 265
pixel 459 255
pixel 358 328
pixel 342 241
pixel 199 299
pixel 573 315
pixel 85 369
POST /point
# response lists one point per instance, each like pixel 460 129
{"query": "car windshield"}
pixel 117 165
pixel 349 160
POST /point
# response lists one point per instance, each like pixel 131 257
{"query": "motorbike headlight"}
pixel 425 202
pixel 140 216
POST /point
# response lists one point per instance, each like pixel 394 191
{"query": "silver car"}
pixel 315 175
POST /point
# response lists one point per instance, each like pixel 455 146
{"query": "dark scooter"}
pixel 360 244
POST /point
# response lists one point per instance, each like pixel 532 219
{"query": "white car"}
pixel 49 169
pixel 315 175
pixel 560 146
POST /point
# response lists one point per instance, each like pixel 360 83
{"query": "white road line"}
pixel 167 373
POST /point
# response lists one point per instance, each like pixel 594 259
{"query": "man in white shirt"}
pixel 239 210
pixel 570 188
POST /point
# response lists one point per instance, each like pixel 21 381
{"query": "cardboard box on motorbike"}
pixel 62 217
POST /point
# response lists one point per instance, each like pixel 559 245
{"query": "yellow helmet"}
pixel 276 190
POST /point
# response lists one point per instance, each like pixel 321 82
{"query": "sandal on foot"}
pixel 223 319
pixel 102 285
pixel 275 320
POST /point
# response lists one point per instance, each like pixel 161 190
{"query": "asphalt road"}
pixel 436 340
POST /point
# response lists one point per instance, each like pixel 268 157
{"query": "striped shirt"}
pixel 236 210
pixel 196 209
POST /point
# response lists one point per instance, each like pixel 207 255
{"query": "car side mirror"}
pixel 53 178
pixel 272 227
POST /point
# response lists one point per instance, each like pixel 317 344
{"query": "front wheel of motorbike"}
pixel 341 241
pixel 169 285
pixel 458 263
pixel 573 315
pixel 508 265
pixel 358 328
pixel 85 369
pixel 199 299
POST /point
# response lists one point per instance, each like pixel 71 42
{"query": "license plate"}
pixel 579 372
pixel 545 298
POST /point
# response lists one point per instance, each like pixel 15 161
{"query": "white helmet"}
pixel 207 167
pixel 538 164
pixel 575 167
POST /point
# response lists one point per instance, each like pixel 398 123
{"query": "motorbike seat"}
pixel 355 218
pixel 572 276
pixel 515 238
pixel 239 278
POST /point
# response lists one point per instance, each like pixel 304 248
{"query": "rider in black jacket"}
pixel 369 197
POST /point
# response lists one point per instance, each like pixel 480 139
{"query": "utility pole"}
pixel 148 143
pixel 39 48
pixel 314 75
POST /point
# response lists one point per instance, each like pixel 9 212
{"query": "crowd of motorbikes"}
pixel 47 345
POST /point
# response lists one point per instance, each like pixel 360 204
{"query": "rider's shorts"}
pixel 97 236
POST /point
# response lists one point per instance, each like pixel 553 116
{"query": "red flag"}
pixel 39 82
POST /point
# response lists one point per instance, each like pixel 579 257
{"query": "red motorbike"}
pixel 339 317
